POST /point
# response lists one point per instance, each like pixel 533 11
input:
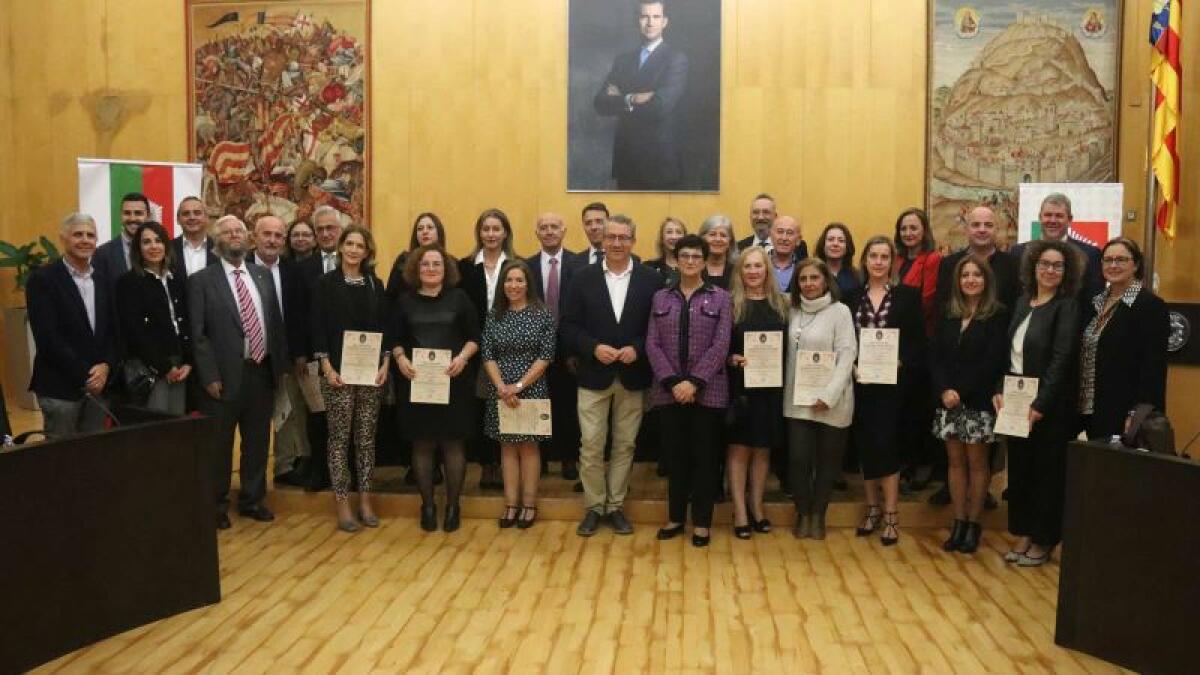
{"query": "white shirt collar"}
pixel 479 257
pixel 618 275
pixel 188 245
pixel 652 46
pixel 229 268
pixel 87 274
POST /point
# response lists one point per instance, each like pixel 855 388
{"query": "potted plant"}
pixel 18 339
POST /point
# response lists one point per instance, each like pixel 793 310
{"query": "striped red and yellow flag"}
pixel 1167 75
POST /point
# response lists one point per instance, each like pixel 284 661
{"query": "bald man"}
pixel 980 228
pixel 787 249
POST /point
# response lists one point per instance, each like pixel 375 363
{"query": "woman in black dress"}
pixel 756 413
pixel 966 359
pixel 1043 338
pixel 882 303
pixel 670 231
pixel 427 230
pixel 717 231
pixel 435 314
pixel 518 346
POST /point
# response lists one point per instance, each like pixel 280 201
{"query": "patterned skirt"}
pixel 964 424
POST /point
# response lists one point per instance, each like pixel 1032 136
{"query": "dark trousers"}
pixel 691 439
pixel 814 463
pixel 563 444
pixel 1037 477
pixel 249 411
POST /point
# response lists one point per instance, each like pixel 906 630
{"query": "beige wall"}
pixel 469 111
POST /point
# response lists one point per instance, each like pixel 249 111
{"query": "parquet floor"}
pixel 300 596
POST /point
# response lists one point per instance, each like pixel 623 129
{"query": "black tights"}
pixel 454 460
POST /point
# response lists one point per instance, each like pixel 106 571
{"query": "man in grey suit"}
pixel 241 352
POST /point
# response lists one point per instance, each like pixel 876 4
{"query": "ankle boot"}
pixel 452 518
pixel 428 517
pixel 971 536
pixel 816 529
pixel 803 526
pixel 957 531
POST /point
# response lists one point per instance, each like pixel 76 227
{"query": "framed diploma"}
pixel 1013 418
pixel 431 383
pixel 814 371
pixel 360 357
pixel 764 359
pixel 310 387
pixel 531 418
pixel 878 355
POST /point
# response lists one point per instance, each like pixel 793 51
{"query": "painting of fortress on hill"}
pixel 1020 92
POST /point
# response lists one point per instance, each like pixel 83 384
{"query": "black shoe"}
pixel 957 531
pixel 260 513
pixel 292 478
pixel 989 502
pixel 666 533
pixel 700 541
pixel 891 528
pixel 223 521
pixel 742 531
pixel 589 524
pixel 870 522
pixel 429 518
pixel 941 497
pixel 578 486
pixel 528 517
pixel 760 525
pixel 618 522
pixel 453 518
pixel 510 517
pixel 570 471
pixel 970 540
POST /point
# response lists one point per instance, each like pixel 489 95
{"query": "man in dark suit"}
pixel 604 323
pixel 762 218
pixel 1055 217
pixel 112 258
pixel 643 91
pixel 241 352
pixel 553 269
pixel 72 318
pixel 193 247
pixel 594 216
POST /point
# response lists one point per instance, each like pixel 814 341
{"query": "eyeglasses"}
pixel 1047 266
pixel 622 238
pixel 690 257
pixel 1118 260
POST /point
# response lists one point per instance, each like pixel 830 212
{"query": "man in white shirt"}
pixel 193 246
pixel 762 218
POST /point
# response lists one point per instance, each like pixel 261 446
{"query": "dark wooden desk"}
pixel 103 533
pixel 1129 590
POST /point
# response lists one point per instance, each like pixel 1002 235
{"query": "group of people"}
pixel 610 341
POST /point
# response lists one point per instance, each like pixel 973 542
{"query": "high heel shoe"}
pixel 510 516
pixel 870 522
pixel 970 539
pixel 348 526
pixel 760 525
pixel 700 540
pixel 524 523
pixel 453 518
pixel 429 517
pixel 958 530
pixel 742 531
pixel 891 523
pixel 1027 560
pixel 371 520
pixel 666 533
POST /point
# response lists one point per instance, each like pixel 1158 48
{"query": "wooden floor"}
pixel 300 596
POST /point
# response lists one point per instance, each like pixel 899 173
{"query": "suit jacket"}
pixel 1131 361
pixel 295 309
pixel 1093 274
pixel 110 259
pixel 217 335
pixel 704 325
pixel 148 332
pixel 1050 349
pixel 646 148
pixel 308 272
pixel 969 361
pixel 567 268
pixel 905 314
pixel 67 346
pixel 178 268
pixel 589 321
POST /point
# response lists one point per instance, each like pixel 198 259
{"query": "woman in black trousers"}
pixel 883 303
pixel 967 357
pixel 1043 337
pixel 152 311
pixel 1123 359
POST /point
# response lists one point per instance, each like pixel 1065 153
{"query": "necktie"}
pixel 552 287
pixel 327 262
pixel 645 55
pixel 251 326
pixel 597 254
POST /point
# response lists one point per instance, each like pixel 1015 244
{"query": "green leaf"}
pixel 8 249
pixel 49 247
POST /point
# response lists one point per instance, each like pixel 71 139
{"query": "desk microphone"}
pixel 105 409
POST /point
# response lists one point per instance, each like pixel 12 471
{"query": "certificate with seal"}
pixel 531 418
pixel 431 383
pixel 1013 418
pixel 360 357
pixel 813 373
pixel 764 359
pixel 878 355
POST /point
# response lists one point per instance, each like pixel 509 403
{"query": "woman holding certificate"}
pixel 349 341
pixel 891 351
pixel 687 342
pixel 760 314
pixel 437 334
pixel 1037 406
pixel 818 397
pixel 967 358
pixel 518 346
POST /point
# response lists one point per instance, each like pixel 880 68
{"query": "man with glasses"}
pixel 1055 218
pixel 604 322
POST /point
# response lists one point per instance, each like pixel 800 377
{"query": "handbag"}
pixel 138 378
pixel 1151 429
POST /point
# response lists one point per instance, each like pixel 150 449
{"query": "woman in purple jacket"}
pixel 687 342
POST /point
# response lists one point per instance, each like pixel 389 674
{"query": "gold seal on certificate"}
pixel 360 357
pixel 531 418
pixel 764 359
pixel 1013 418
pixel 431 383
pixel 814 372
pixel 878 355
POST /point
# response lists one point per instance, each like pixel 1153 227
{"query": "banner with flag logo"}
pixel 102 183
pixel 1096 210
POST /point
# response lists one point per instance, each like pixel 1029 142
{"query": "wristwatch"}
pixel 519 386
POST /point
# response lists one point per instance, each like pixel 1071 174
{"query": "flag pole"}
pixel 1149 238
